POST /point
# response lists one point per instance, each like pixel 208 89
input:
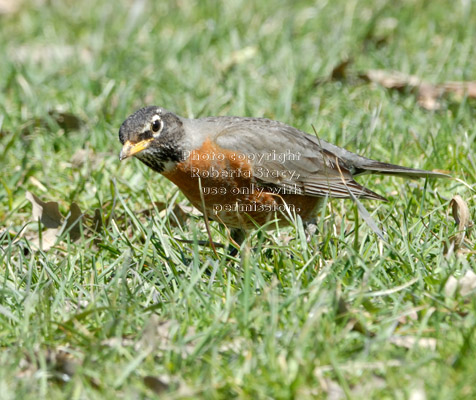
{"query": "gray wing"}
pixel 286 158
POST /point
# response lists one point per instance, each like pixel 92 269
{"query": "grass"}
pixel 133 311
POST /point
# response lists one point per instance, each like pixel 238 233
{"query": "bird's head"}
pixel 152 134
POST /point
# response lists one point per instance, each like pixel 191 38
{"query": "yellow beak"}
pixel 129 149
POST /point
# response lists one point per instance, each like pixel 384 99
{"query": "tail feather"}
pixel 359 165
pixel 377 167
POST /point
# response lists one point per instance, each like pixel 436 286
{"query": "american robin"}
pixel 243 171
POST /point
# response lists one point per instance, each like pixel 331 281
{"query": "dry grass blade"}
pixel 461 215
pixel 460 212
pixel 362 210
pixel 428 94
pixel 460 88
pixel 355 366
pixel 391 79
pixel 410 342
pixel 378 293
pixel 205 217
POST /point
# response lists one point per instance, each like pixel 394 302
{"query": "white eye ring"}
pixel 156 126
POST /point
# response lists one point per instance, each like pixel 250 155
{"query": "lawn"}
pixel 131 302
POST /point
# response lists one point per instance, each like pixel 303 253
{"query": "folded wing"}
pixel 290 159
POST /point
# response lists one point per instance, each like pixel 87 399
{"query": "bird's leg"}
pixel 237 236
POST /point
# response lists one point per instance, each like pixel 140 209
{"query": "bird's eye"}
pixel 156 125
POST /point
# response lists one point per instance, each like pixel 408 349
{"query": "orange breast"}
pixel 230 193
